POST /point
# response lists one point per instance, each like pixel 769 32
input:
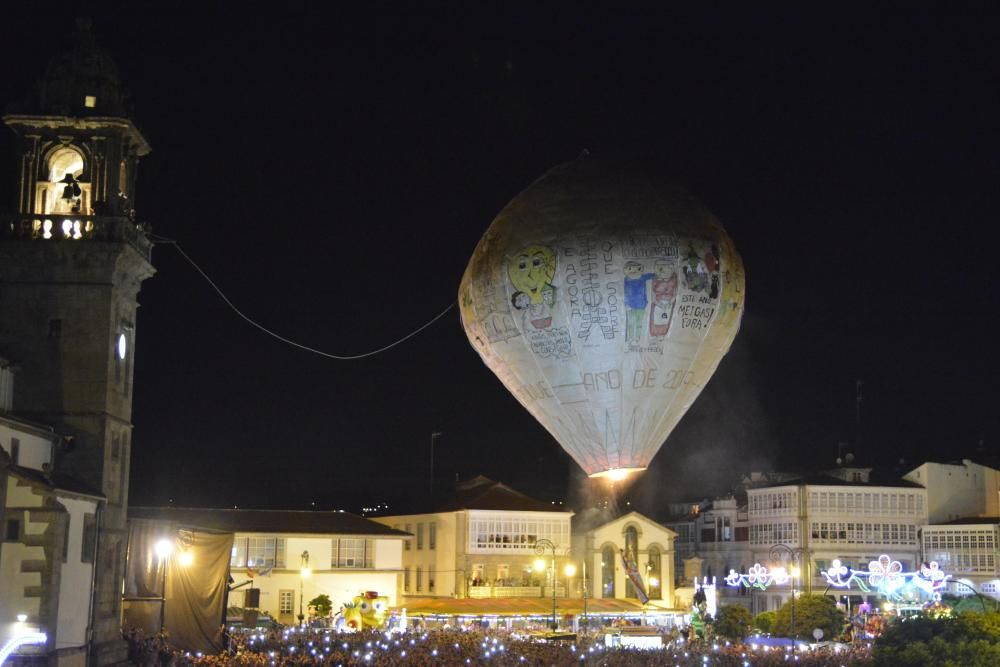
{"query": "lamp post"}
pixel 163 548
pixel 304 572
pixel 795 573
pixel 795 554
pixel 540 547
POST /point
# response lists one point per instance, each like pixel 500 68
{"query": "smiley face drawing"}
pixel 531 271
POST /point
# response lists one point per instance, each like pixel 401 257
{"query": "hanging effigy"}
pixel 884 576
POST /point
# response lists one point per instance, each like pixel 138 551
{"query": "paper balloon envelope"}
pixel 603 301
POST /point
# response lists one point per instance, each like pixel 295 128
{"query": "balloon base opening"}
pixel 615 474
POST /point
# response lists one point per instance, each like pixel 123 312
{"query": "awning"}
pixel 417 606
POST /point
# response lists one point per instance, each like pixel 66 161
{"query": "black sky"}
pixel 333 170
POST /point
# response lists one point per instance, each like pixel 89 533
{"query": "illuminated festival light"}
pixel 884 576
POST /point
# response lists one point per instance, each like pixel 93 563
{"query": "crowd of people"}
pixel 461 648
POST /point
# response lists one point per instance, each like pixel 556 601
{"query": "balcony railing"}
pixel 74 227
pixel 482 592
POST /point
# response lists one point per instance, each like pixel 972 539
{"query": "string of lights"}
pixel 283 339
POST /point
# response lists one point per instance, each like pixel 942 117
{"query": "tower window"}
pixel 13 532
pixel 89 101
pixel 64 192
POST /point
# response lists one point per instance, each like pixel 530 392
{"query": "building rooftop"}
pixel 971 520
pixel 267 521
pixel 827 480
pixel 54 481
pixel 482 493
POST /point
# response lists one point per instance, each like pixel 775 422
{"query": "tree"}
pixel 967 640
pixel 732 622
pixel 764 621
pixel 322 604
pixel 811 612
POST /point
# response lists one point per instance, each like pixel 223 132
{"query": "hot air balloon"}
pixel 604 301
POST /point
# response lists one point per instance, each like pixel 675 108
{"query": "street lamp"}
pixel 164 550
pixel 569 570
pixel 795 573
pixel 540 547
pixel 304 572
pixel 796 556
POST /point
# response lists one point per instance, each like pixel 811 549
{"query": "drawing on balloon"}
pixel 664 288
pixel 701 272
pixel 531 272
pixel 496 323
pixel 635 302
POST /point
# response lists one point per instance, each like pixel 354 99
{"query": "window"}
pixel 15 451
pixel 653 574
pixel 89 101
pixel 13 532
pixel 503 533
pixel 420 541
pixel 351 552
pixel 406 544
pixel 406 579
pixel 258 551
pixel 89 542
pixel 432 535
pixel 65 545
pixel 607 572
pixel 286 601
pixel 420 579
pixel 56 196
pixel 430 577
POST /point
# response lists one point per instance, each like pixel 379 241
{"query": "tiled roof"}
pixel 56 481
pixel 267 521
pixel 482 493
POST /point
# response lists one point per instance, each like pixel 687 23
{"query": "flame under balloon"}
pixel 604 302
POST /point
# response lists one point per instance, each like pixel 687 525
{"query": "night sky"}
pixel 333 172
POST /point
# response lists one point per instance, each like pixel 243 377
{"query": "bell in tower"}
pixel 72 259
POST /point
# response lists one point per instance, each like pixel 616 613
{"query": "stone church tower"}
pixel 72 259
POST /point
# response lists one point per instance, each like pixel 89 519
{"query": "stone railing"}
pixel 75 227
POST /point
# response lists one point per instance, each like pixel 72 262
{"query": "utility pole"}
pixel 430 486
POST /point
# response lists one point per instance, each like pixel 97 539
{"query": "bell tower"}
pixel 72 259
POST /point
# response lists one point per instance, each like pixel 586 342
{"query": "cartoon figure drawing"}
pixel 536 323
pixel 664 288
pixel 701 274
pixel 635 301
pixel 531 271
pixel 695 271
pixel 537 315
